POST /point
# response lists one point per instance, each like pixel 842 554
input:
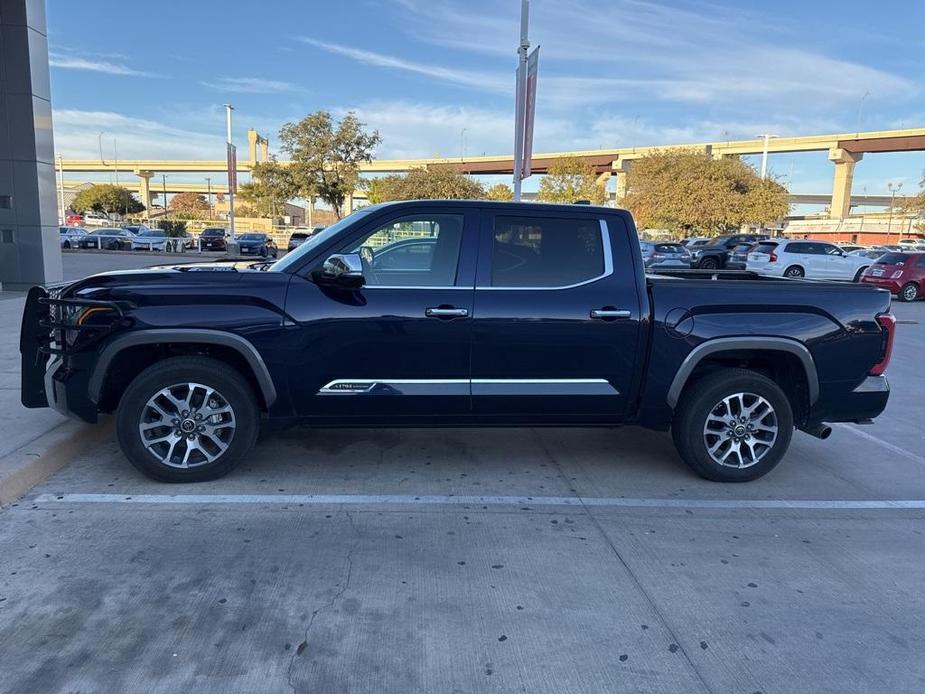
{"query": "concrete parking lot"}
pixel 503 560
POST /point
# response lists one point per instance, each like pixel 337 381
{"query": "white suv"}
pixel 806 258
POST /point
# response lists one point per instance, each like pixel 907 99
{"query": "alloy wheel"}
pixel 187 425
pixel 740 430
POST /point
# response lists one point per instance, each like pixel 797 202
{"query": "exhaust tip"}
pixel 820 431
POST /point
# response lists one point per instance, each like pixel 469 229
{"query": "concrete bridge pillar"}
pixel 252 137
pixel 144 190
pixel 841 186
pixel 621 169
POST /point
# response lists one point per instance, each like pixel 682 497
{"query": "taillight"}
pixel 887 322
pixel 772 257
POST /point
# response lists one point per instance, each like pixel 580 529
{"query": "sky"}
pixel 435 77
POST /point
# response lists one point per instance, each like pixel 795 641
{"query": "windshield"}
pixel 152 232
pixel 303 249
pixel 213 232
pixel 251 237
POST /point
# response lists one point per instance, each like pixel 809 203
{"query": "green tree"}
pixel 271 186
pixel 438 183
pixel 570 179
pixel 189 202
pixel 500 191
pixel 326 157
pixel 693 191
pixel 107 198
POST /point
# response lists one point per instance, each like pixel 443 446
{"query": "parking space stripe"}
pixel 886 444
pixel 519 501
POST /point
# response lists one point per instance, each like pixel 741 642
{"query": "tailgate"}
pixel 34 337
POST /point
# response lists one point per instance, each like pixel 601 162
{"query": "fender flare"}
pixel 755 344
pixel 182 335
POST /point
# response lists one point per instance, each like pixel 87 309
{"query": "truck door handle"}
pixel 611 313
pixel 446 312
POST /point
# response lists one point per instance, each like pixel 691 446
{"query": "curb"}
pixel 40 459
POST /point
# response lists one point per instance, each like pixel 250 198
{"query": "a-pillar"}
pixel 841 185
pixel 144 190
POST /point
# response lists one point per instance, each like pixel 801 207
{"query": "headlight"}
pixel 896 275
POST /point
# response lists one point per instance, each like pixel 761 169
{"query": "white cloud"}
pixel 251 85
pixel 77 136
pixel 480 80
pixel 72 62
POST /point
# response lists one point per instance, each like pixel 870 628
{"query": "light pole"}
pixel 164 189
pixel 209 187
pixel 462 144
pixel 232 173
pixel 860 108
pixel 521 85
pixel 63 216
pixel 893 188
pixel 764 156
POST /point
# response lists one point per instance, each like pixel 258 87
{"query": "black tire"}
pixel 857 275
pixel 231 388
pixel 704 398
pixel 795 272
pixel 909 292
pixel 67 245
pixel 709 264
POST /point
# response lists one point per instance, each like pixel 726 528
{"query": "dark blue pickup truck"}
pixel 457 313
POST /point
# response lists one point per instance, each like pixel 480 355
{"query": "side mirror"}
pixel 342 270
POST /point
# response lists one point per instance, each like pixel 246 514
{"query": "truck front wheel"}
pixel 733 425
pixel 187 419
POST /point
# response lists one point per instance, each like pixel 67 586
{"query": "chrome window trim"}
pixel 608 268
pixel 396 286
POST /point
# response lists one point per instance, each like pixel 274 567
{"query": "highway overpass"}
pixel 843 150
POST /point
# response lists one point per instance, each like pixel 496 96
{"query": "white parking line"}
pixel 519 501
pixel 886 444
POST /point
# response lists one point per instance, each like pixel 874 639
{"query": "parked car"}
pixel 70 236
pixel 738 256
pixel 695 241
pixel 252 243
pixel 96 219
pixel 713 255
pixel 73 220
pixel 525 315
pixel 806 258
pixel 900 273
pixel 300 235
pixel 109 239
pixel 147 239
pixel 213 239
pixel 657 256
pixel 849 247
pixel 872 253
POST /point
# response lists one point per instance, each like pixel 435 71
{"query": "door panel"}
pixel 537 351
pixel 400 345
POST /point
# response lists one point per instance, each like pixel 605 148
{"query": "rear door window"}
pixel 537 252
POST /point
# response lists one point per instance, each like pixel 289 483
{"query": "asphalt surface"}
pixel 518 560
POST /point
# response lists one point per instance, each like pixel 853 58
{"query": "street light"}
pixel 860 108
pixel 893 188
pixel 209 186
pixel 164 188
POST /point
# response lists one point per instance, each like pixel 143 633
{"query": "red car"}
pixel 902 273
pixel 73 220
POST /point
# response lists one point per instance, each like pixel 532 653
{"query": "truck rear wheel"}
pixel 733 425
pixel 187 419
